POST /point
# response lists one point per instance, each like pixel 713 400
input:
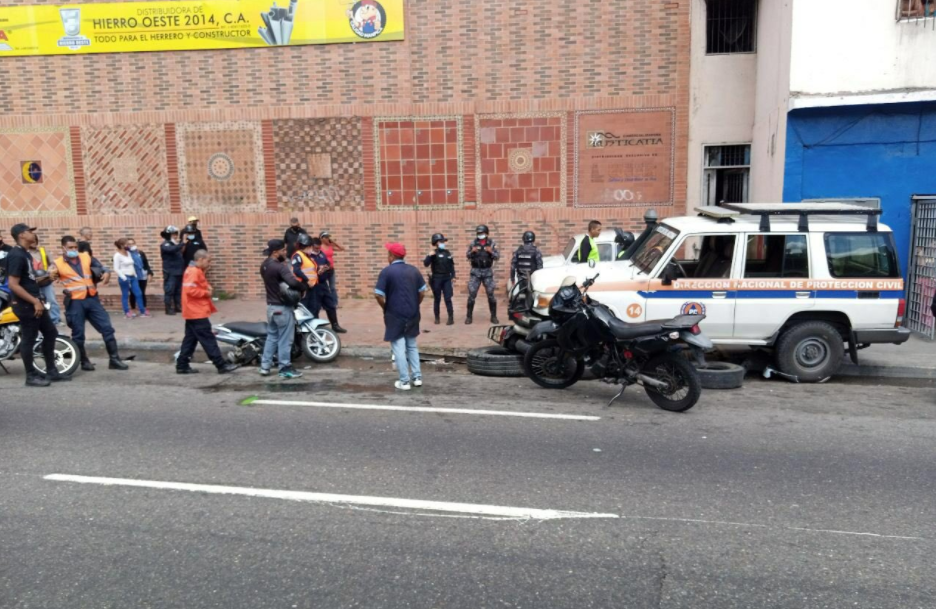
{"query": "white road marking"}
pixel 518 513
pixel 500 413
pixel 767 526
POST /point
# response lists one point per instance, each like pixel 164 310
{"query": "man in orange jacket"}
pixel 196 309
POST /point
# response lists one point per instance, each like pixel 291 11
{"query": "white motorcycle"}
pixel 313 337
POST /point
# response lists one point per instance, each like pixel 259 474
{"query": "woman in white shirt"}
pixel 126 274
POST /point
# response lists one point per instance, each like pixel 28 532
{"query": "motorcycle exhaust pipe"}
pixel 646 380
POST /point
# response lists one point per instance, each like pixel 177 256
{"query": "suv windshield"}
pixel 651 250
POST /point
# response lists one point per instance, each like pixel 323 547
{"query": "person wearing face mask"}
pixel 125 267
pixel 441 277
pixel 193 222
pixel 191 243
pixel 173 268
pixel 143 271
pixel 78 273
pixel 28 305
pixel 281 321
pixel 482 253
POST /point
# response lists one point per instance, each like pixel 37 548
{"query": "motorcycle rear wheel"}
pixel 541 365
pixel 684 388
pixel 67 357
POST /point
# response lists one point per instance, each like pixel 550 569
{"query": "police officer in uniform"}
pixel 173 265
pixel 304 266
pixel 482 253
pixel 526 259
pixel 442 275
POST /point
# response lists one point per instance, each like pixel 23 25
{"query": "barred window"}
pixel 731 26
pixel 727 174
pixel 915 9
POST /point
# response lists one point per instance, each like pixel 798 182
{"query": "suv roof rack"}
pixel 804 210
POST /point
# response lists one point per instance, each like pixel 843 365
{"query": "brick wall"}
pixel 149 137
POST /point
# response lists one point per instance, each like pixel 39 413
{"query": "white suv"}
pixel 806 281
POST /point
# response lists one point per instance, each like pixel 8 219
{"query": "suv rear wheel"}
pixel 811 351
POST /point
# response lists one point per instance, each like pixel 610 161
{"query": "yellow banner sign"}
pixel 186 25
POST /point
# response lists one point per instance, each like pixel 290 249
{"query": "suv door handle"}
pixel 803 294
pixel 719 294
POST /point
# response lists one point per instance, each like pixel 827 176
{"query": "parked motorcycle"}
pixel 67 358
pixel 313 337
pixel 582 332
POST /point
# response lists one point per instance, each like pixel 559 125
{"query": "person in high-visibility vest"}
pixel 305 268
pixel 589 248
pixel 76 272
pixel 41 262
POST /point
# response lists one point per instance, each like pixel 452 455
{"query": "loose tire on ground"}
pixel 811 351
pixel 721 375
pixel 495 361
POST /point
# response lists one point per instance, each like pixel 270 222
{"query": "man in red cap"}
pixel 400 290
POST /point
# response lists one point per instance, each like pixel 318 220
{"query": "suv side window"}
pixel 705 256
pixel 855 255
pixel 772 256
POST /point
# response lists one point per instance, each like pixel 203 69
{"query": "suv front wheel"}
pixel 811 351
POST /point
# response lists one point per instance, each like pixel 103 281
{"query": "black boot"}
pixel 451 320
pixel 36 380
pixel 169 310
pixel 494 319
pixel 437 320
pixel 115 361
pixel 333 318
pixel 86 364
pixel 227 368
pixel 182 366
pixel 55 376
pixel 468 315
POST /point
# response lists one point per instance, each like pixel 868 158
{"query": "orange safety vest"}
pixel 76 286
pixel 309 268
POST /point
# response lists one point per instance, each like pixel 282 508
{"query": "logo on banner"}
pixel 3 42
pixel 71 21
pixel 692 308
pixel 367 18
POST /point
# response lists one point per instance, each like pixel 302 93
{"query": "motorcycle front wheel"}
pixel 67 357
pixel 683 386
pixel 321 345
pixel 541 363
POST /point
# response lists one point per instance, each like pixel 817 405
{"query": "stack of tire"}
pixel 721 375
pixel 495 361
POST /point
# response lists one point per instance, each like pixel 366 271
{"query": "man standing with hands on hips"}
pixel 400 290
pixel 482 253
pixel 443 274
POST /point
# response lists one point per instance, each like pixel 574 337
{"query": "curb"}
pixel 888 372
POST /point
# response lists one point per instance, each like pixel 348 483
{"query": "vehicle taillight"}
pixel 696 329
pixel 901 309
pixel 628 355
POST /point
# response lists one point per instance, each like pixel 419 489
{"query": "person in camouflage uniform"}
pixel 482 253
pixel 527 259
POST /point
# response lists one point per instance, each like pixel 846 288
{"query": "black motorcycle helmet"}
pixel 624 238
pixel 529 237
pixel 438 237
pixel 303 241
pixel 482 229
pixel 190 229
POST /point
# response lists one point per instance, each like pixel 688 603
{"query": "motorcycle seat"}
pixel 626 331
pixel 250 329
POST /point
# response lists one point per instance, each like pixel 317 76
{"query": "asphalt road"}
pixel 777 495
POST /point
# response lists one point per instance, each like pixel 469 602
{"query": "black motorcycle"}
pixel 582 332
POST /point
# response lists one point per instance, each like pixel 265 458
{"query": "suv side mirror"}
pixel 591 264
pixel 669 273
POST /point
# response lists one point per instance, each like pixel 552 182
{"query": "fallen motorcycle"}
pixel 313 337
pixel 582 332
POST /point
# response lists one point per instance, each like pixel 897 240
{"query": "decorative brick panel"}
pixel 50 191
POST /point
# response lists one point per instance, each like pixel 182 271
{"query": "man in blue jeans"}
pixel 281 321
pixel 400 290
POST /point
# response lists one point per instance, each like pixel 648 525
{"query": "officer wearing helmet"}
pixel 482 253
pixel 305 268
pixel 441 277
pixel 173 268
pixel 526 259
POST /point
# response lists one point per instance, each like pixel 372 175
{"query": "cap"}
pixel 192 219
pixel 274 245
pixel 397 249
pixel 19 229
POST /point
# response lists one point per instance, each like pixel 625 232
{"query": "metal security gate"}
pixel 922 275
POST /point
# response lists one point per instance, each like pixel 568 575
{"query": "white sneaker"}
pixel 402 386
pixel 264 372
pixel 417 382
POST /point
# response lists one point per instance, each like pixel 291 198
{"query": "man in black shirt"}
pixel 292 235
pixel 30 308
pixel 443 274
pixel 84 241
pixel 281 321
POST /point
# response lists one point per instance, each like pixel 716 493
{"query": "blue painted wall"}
pixel 883 151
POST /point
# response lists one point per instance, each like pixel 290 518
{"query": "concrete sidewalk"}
pixel 914 359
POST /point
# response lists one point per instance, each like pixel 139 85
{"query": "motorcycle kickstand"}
pixel 615 398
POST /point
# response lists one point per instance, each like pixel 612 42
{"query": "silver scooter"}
pixel 313 337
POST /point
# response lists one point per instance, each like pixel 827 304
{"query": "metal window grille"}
pixel 727 173
pixel 921 282
pixel 731 26
pixel 916 10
